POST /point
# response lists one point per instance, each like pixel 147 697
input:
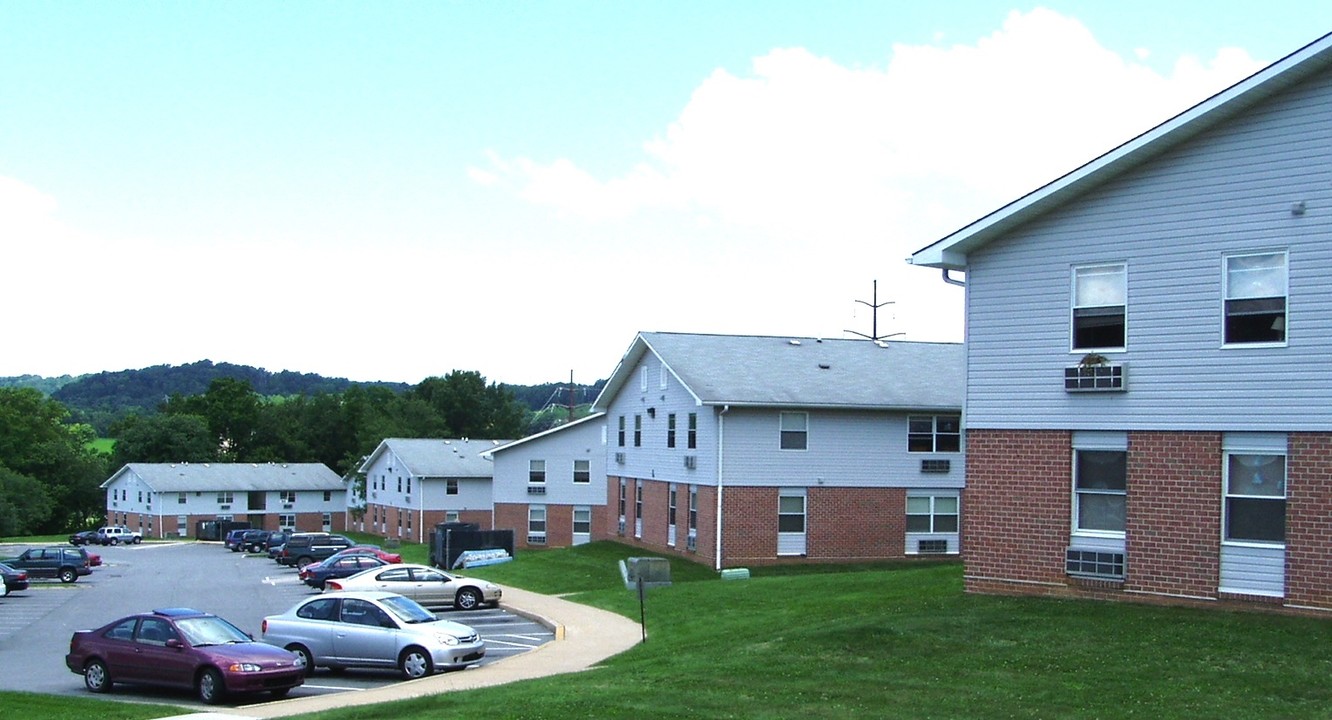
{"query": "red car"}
pixel 388 557
pixel 180 647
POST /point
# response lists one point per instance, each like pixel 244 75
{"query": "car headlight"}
pixel 447 639
pixel 244 667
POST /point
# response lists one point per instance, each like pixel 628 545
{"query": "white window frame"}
pixel 786 431
pixel 1077 302
pixel 1227 496
pixel 934 432
pixel 1081 494
pixel 225 497
pixel 287 497
pixel 934 512
pixel 451 486
pixel 536 521
pixel 1227 290
pixel 536 472
pixel 643 378
pixel 582 471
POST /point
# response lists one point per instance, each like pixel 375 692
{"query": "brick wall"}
pixel 1173 528
pixel 1309 520
pixel 605 522
pixel 1015 509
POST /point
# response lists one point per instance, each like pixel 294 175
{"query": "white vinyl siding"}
pixel 1226 192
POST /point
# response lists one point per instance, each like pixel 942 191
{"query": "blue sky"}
pixel 390 191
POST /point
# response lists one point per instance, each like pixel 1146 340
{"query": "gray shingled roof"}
pixel 434 457
pixel 801 372
pixel 241 477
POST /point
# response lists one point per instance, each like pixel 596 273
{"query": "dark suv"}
pixel 67 563
pixel 254 541
pixel 304 548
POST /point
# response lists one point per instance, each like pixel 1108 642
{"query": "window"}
pixel 1255 498
pixel 224 498
pixel 662 381
pixel 328 495
pixel 1099 298
pixel 409 484
pixel 451 487
pixel 287 522
pixel 287 497
pixel 399 483
pixel 638 501
pixel 180 498
pixel 1100 490
pixel 621 431
pixel 622 498
pixel 670 508
pixel 536 471
pixel 794 430
pixel 1255 307
pixel 931 514
pixel 642 378
pixel 670 430
pixel 536 522
pixel 934 433
pixel 638 431
pixel 582 521
pixel 791 514
pixel 451 516
pixel 582 471
pixel 693 431
pixel 182 525
pixel 693 508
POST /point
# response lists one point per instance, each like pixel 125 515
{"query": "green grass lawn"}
pixel 882 641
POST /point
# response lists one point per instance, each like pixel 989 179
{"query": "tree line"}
pixel 50 472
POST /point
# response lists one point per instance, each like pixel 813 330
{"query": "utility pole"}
pixel 874 306
pixel 572 392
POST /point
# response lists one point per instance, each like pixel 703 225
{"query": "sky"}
pixel 389 191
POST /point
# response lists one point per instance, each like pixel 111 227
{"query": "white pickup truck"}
pixel 116 534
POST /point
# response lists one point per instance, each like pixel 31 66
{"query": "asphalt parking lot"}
pixel 36 624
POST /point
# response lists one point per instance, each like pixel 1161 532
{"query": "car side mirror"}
pixel 174 643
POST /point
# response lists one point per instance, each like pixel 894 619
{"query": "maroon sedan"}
pixel 180 647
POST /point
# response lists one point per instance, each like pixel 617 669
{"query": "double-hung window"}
pixel 621 434
pixel 934 433
pixel 1100 297
pixel 931 514
pixel 692 432
pixel 1255 304
pixel 582 471
pixel 638 431
pixel 1100 490
pixel 794 431
pixel 1255 498
pixel 536 471
pixel 670 430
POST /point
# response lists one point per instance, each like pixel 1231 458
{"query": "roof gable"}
pixel 951 251
pixel 546 433
pixel 751 370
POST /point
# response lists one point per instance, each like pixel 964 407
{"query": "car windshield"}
pixel 199 631
pixel 408 610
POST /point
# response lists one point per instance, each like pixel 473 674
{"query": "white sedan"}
pixel 372 630
pixel 429 586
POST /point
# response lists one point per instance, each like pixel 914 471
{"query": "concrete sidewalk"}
pixel 584 636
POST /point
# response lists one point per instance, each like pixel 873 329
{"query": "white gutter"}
pixel 721 444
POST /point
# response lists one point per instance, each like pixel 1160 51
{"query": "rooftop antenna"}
pixel 874 306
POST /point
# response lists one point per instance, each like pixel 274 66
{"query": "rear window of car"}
pixel 321 609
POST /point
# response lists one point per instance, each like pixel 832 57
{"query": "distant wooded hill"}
pixel 101 397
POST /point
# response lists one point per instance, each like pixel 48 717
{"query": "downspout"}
pixel 948 279
pixel 721 445
pixel 420 510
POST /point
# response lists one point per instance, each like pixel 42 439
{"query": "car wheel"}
pixel 304 660
pixel 467 599
pixel 302 561
pixel 136 541
pixel 115 541
pixel 96 677
pixel 415 663
pixel 68 575
pixel 210 687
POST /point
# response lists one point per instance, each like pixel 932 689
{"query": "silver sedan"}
pixel 426 585
pixel 372 630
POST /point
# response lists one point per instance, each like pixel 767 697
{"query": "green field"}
pixel 878 641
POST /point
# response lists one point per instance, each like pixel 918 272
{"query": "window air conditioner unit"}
pixel 620 530
pixel 286 506
pixel 691 461
pixel 619 458
pixel 223 507
pixel 1096 564
pixel 932 547
pixel 1094 378
pixel 536 539
pixel 936 467
pixel 691 543
pixel 536 489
